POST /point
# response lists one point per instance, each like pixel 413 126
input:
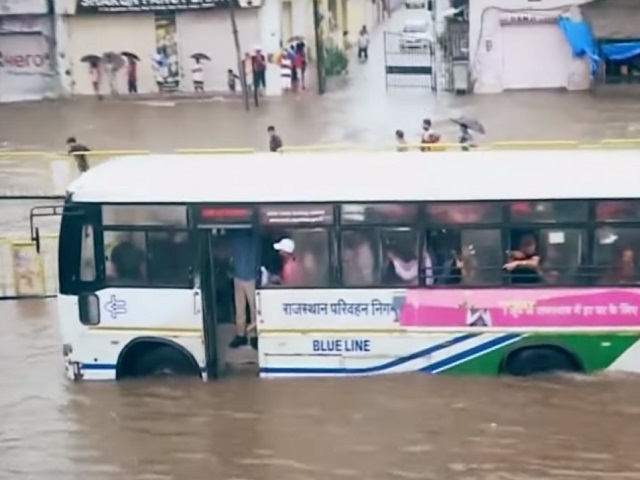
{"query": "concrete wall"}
pixel 493 60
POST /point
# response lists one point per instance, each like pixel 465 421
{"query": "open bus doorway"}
pixel 217 267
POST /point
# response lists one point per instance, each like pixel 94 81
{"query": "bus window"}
pixel 359 258
pixel 558 211
pixel 379 213
pixel 125 257
pixel 616 256
pixel 87 255
pixel 400 256
pixel 562 253
pixel 147 215
pixel 618 211
pixel 463 212
pixel 464 256
pixel 169 258
pixel 301 257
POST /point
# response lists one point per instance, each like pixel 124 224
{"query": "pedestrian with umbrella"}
pixel 197 72
pixel 94 72
pixel 467 125
pixel 112 62
pixel 132 71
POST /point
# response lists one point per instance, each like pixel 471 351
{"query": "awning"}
pixel 580 38
pixel 620 50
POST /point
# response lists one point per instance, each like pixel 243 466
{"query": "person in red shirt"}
pixel 132 76
pixel 291 272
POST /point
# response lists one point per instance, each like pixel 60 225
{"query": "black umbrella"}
pixel 470 123
pixel 90 59
pixel 200 56
pixel 130 55
pixel 113 59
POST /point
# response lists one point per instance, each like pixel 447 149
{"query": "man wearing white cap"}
pixel 291 273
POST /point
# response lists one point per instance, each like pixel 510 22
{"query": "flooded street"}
pixel 241 428
pixel 395 427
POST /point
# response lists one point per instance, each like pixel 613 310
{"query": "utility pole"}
pixel 317 22
pixel 241 67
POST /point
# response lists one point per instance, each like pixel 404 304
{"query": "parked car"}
pixel 415 3
pixel 416 34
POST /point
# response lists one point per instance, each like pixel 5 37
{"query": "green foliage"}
pixel 335 61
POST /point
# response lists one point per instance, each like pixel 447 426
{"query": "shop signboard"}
pixel 132 6
pixel 24 7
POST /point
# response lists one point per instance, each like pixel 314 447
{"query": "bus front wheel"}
pixel 542 360
pixel 164 361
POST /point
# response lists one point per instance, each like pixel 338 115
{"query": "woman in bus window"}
pixel 624 271
pixel 524 263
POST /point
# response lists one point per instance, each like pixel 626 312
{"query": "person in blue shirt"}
pixel 244 285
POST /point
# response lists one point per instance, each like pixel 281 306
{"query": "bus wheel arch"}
pixel 540 359
pixel 152 356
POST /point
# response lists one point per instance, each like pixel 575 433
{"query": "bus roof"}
pixel 362 177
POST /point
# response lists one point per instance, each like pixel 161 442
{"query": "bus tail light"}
pixel 89 306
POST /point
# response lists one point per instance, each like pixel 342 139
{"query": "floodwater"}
pixel 404 427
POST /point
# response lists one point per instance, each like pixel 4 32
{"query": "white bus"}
pixel 486 262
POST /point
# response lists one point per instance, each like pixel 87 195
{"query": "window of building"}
pixel 463 212
pixel 616 256
pixel 549 212
pixel 148 258
pixel 463 257
pixel 380 213
pixel 144 215
pixel 618 211
pixel 87 254
pixel 296 257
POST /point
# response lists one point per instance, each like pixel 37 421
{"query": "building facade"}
pixel 27 51
pixel 178 29
pixel 517 44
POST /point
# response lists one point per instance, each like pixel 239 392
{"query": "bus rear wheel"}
pixel 164 361
pixel 532 361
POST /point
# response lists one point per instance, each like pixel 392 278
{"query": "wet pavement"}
pixel 406 427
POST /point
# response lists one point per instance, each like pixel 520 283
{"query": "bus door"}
pixel 216 283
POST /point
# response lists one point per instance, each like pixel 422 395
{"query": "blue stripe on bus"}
pixel 373 369
pixel 492 344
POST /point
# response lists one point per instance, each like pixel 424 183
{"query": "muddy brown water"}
pixel 404 427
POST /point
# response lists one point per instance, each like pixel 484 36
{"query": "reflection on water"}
pixel 396 427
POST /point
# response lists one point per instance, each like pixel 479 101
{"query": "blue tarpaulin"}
pixel 579 36
pixel 620 50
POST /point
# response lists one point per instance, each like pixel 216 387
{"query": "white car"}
pixel 415 3
pixel 416 34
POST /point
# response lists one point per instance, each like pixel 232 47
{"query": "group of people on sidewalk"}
pixel 430 138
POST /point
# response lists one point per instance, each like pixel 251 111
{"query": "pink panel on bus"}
pixel 521 308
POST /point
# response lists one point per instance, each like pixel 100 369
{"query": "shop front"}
pixel 161 38
pixel 524 48
pixel 27 59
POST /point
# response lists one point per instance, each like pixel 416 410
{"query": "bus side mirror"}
pixel 36 238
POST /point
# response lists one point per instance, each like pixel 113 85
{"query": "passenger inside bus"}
pixel 523 264
pixel 128 262
pixel 624 271
pixel 358 259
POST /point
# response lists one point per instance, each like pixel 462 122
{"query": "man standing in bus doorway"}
pixel 244 287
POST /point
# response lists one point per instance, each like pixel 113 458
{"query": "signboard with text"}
pixel 374 309
pixel 132 6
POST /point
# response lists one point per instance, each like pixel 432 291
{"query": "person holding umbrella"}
pixel 94 72
pixel 467 125
pixel 132 71
pixel 197 72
